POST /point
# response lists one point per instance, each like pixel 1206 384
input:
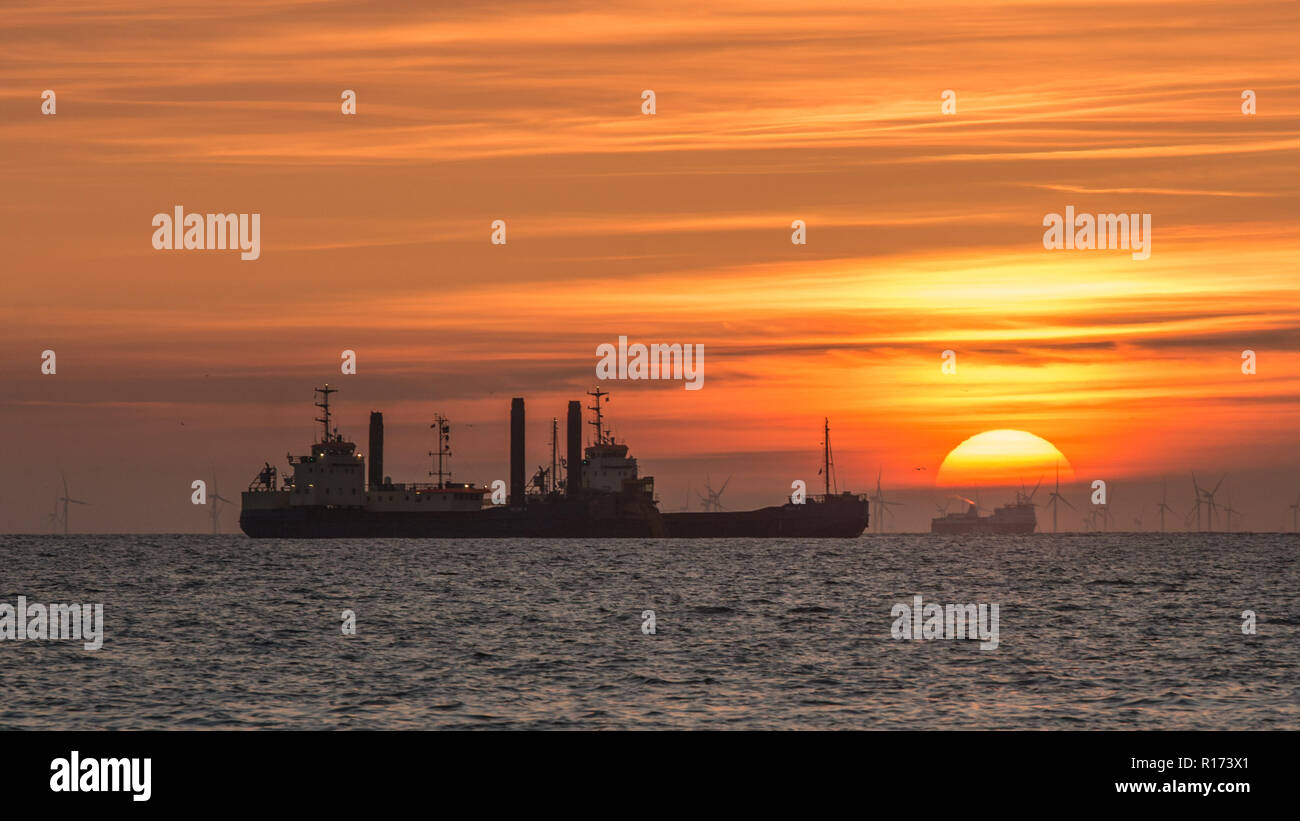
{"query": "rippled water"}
pixel 1096 631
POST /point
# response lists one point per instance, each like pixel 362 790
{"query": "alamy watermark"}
pixel 953 621
pixel 1085 232
pixel 637 361
pixel 218 232
pixel 75 774
pixel 55 622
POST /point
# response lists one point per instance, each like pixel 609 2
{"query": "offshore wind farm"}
pixel 1140 505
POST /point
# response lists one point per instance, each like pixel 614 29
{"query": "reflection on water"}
pixel 1097 631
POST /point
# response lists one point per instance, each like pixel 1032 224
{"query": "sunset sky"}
pixel 924 234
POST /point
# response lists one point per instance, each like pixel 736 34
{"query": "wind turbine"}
pixel 1101 512
pixel 1209 500
pixel 882 504
pixel 1055 496
pixel 1137 520
pixel 213 500
pixel 1029 497
pixel 1295 514
pixel 66 501
pixel 1198 493
pixel 1162 507
pixel 53 517
pixel 1229 511
pixel 713 502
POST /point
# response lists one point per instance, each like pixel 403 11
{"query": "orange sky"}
pixel 924 234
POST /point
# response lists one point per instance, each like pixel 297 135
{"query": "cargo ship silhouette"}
pixel 1018 517
pixel 329 493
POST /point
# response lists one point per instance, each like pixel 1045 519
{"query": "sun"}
pixel 1003 457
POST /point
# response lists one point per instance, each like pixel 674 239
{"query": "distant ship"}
pixel 330 494
pixel 833 514
pixel 1017 517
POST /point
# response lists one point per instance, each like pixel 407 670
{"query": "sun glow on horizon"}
pixel 1003 457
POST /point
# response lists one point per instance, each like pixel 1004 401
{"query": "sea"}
pixel 1095 631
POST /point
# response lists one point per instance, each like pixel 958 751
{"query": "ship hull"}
pixel 1016 519
pixel 996 528
pixel 556 521
pixel 841 518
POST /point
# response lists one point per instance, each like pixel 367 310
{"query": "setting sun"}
pixel 1002 457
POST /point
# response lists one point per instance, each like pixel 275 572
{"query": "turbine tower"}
pixel 214 502
pixel 1055 496
pixel 1090 521
pixel 1162 507
pixel 53 517
pixel 1210 506
pixel 1196 506
pixel 1229 511
pixel 882 504
pixel 66 501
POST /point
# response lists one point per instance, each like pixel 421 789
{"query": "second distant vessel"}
pixel 1015 518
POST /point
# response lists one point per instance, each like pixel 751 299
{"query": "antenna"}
pixel 555 452
pixel 598 423
pixel 828 463
pixel 325 406
pixel 444 448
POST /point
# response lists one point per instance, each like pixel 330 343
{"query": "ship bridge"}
pixel 333 475
pixel 607 467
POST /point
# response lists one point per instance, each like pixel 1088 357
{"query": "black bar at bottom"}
pixel 636 772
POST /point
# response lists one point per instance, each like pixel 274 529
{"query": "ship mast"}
pixel 598 423
pixel 826 453
pixel 555 444
pixel 325 406
pixel 444 447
